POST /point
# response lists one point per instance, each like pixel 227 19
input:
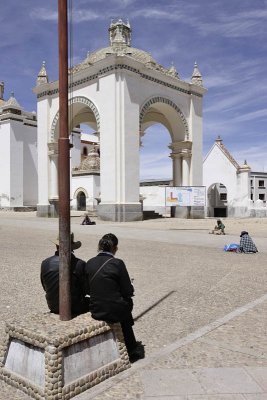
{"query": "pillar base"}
pixel 120 212
pixel 51 359
pixel 48 210
pixel 190 212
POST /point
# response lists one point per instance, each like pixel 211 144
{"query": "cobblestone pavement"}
pixel 183 281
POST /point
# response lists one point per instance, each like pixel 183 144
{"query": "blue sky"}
pixel 227 38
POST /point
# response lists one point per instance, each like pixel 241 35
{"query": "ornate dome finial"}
pixel 196 76
pixel 218 140
pixel 2 87
pixel 120 33
pixel 172 71
pixel 12 102
pixel 244 167
pixel 42 76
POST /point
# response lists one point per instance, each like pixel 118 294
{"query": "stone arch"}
pixel 80 189
pixel 76 99
pixel 159 99
pixel 217 202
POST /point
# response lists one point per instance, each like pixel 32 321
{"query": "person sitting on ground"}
pixel 219 228
pixel 50 280
pixel 111 291
pixel 246 244
pixel 87 220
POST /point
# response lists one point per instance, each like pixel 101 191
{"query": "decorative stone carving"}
pixel 196 76
pixel 2 87
pixel 159 99
pixel 120 35
pixel 76 99
pixel 42 76
pixel 173 72
pixel 12 102
pixel 92 162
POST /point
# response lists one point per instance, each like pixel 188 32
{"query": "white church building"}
pixel 232 190
pixel 18 154
pixel 118 92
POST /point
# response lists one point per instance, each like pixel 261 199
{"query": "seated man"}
pixel 111 291
pixel 246 244
pixel 50 280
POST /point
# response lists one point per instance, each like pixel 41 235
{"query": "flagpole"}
pixel 64 167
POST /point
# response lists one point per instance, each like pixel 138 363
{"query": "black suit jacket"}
pixel 110 291
pixel 50 283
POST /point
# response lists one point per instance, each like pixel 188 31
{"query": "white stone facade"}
pixel 18 155
pixel 120 91
pixel 231 187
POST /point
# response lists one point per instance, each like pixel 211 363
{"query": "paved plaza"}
pixel 201 312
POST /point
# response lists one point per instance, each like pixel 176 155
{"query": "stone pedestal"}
pixel 48 211
pixel 120 212
pixel 51 359
pixel 189 212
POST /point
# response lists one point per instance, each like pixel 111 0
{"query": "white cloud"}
pixel 251 116
pixel 44 14
pixel 78 15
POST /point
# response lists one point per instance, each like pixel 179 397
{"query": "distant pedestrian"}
pixel 246 244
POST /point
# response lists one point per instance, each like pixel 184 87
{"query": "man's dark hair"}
pixel 108 242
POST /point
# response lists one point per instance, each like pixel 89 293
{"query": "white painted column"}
pixel 186 161
pixel 43 117
pixel 53 178
pixel 119 141
pixel 177 169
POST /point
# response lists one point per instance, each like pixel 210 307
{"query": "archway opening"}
pixel 81 201
pixel 155 163
pixel 162 115
pixel 217 201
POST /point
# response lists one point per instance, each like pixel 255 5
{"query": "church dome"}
pixel 120 45
pixel 92 162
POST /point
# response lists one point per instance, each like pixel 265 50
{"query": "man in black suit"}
pixel 50 280
pixel 109 286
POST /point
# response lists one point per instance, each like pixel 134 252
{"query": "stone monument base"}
pixel 190 212
pixel 120 212
pixel 51 359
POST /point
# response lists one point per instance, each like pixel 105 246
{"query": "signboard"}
pixel 184 196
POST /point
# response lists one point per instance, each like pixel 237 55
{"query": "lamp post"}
pixel 64 167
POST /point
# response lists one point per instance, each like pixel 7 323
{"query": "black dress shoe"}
pixel 137 353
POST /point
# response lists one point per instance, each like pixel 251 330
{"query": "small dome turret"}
pixel 120 33
pixel 196 76
pixel 42 76
pixel 92 162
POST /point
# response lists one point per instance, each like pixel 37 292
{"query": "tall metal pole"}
pixel 64 167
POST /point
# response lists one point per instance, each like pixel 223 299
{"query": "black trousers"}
pixel 128 333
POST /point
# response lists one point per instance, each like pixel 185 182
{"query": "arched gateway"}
pixel 120 91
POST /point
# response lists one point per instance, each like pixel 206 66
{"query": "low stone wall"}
pixel 52 359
